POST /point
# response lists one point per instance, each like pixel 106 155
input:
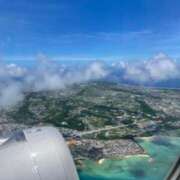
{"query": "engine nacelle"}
pixel 36 154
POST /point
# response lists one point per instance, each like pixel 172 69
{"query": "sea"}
pixel 161 153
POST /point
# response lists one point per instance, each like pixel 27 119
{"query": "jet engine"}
pixel 36 154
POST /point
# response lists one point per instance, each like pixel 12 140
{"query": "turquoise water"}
pixel 161 153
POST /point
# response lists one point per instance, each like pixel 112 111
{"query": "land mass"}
pixel 99 119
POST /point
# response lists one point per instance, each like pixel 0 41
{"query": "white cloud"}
pixel 11 70
pixel 95 70
pixel 10 95
pixel 51 76
pixel 136 73
pixel 14 80
pixel 14 70
pixel 159 68
pixel 47 75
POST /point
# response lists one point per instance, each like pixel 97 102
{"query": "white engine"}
pixel 36 154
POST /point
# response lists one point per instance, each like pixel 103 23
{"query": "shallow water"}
pixel 161 153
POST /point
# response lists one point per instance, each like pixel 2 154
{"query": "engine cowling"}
pixel 36 154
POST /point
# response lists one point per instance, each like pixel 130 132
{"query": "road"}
pixel 103 129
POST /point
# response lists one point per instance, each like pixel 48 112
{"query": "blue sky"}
pixel 89 29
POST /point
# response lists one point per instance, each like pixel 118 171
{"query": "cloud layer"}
pixel 15 80
pixel 159 68
pixel 47 76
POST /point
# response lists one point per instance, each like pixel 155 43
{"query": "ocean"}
pixel 161 152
